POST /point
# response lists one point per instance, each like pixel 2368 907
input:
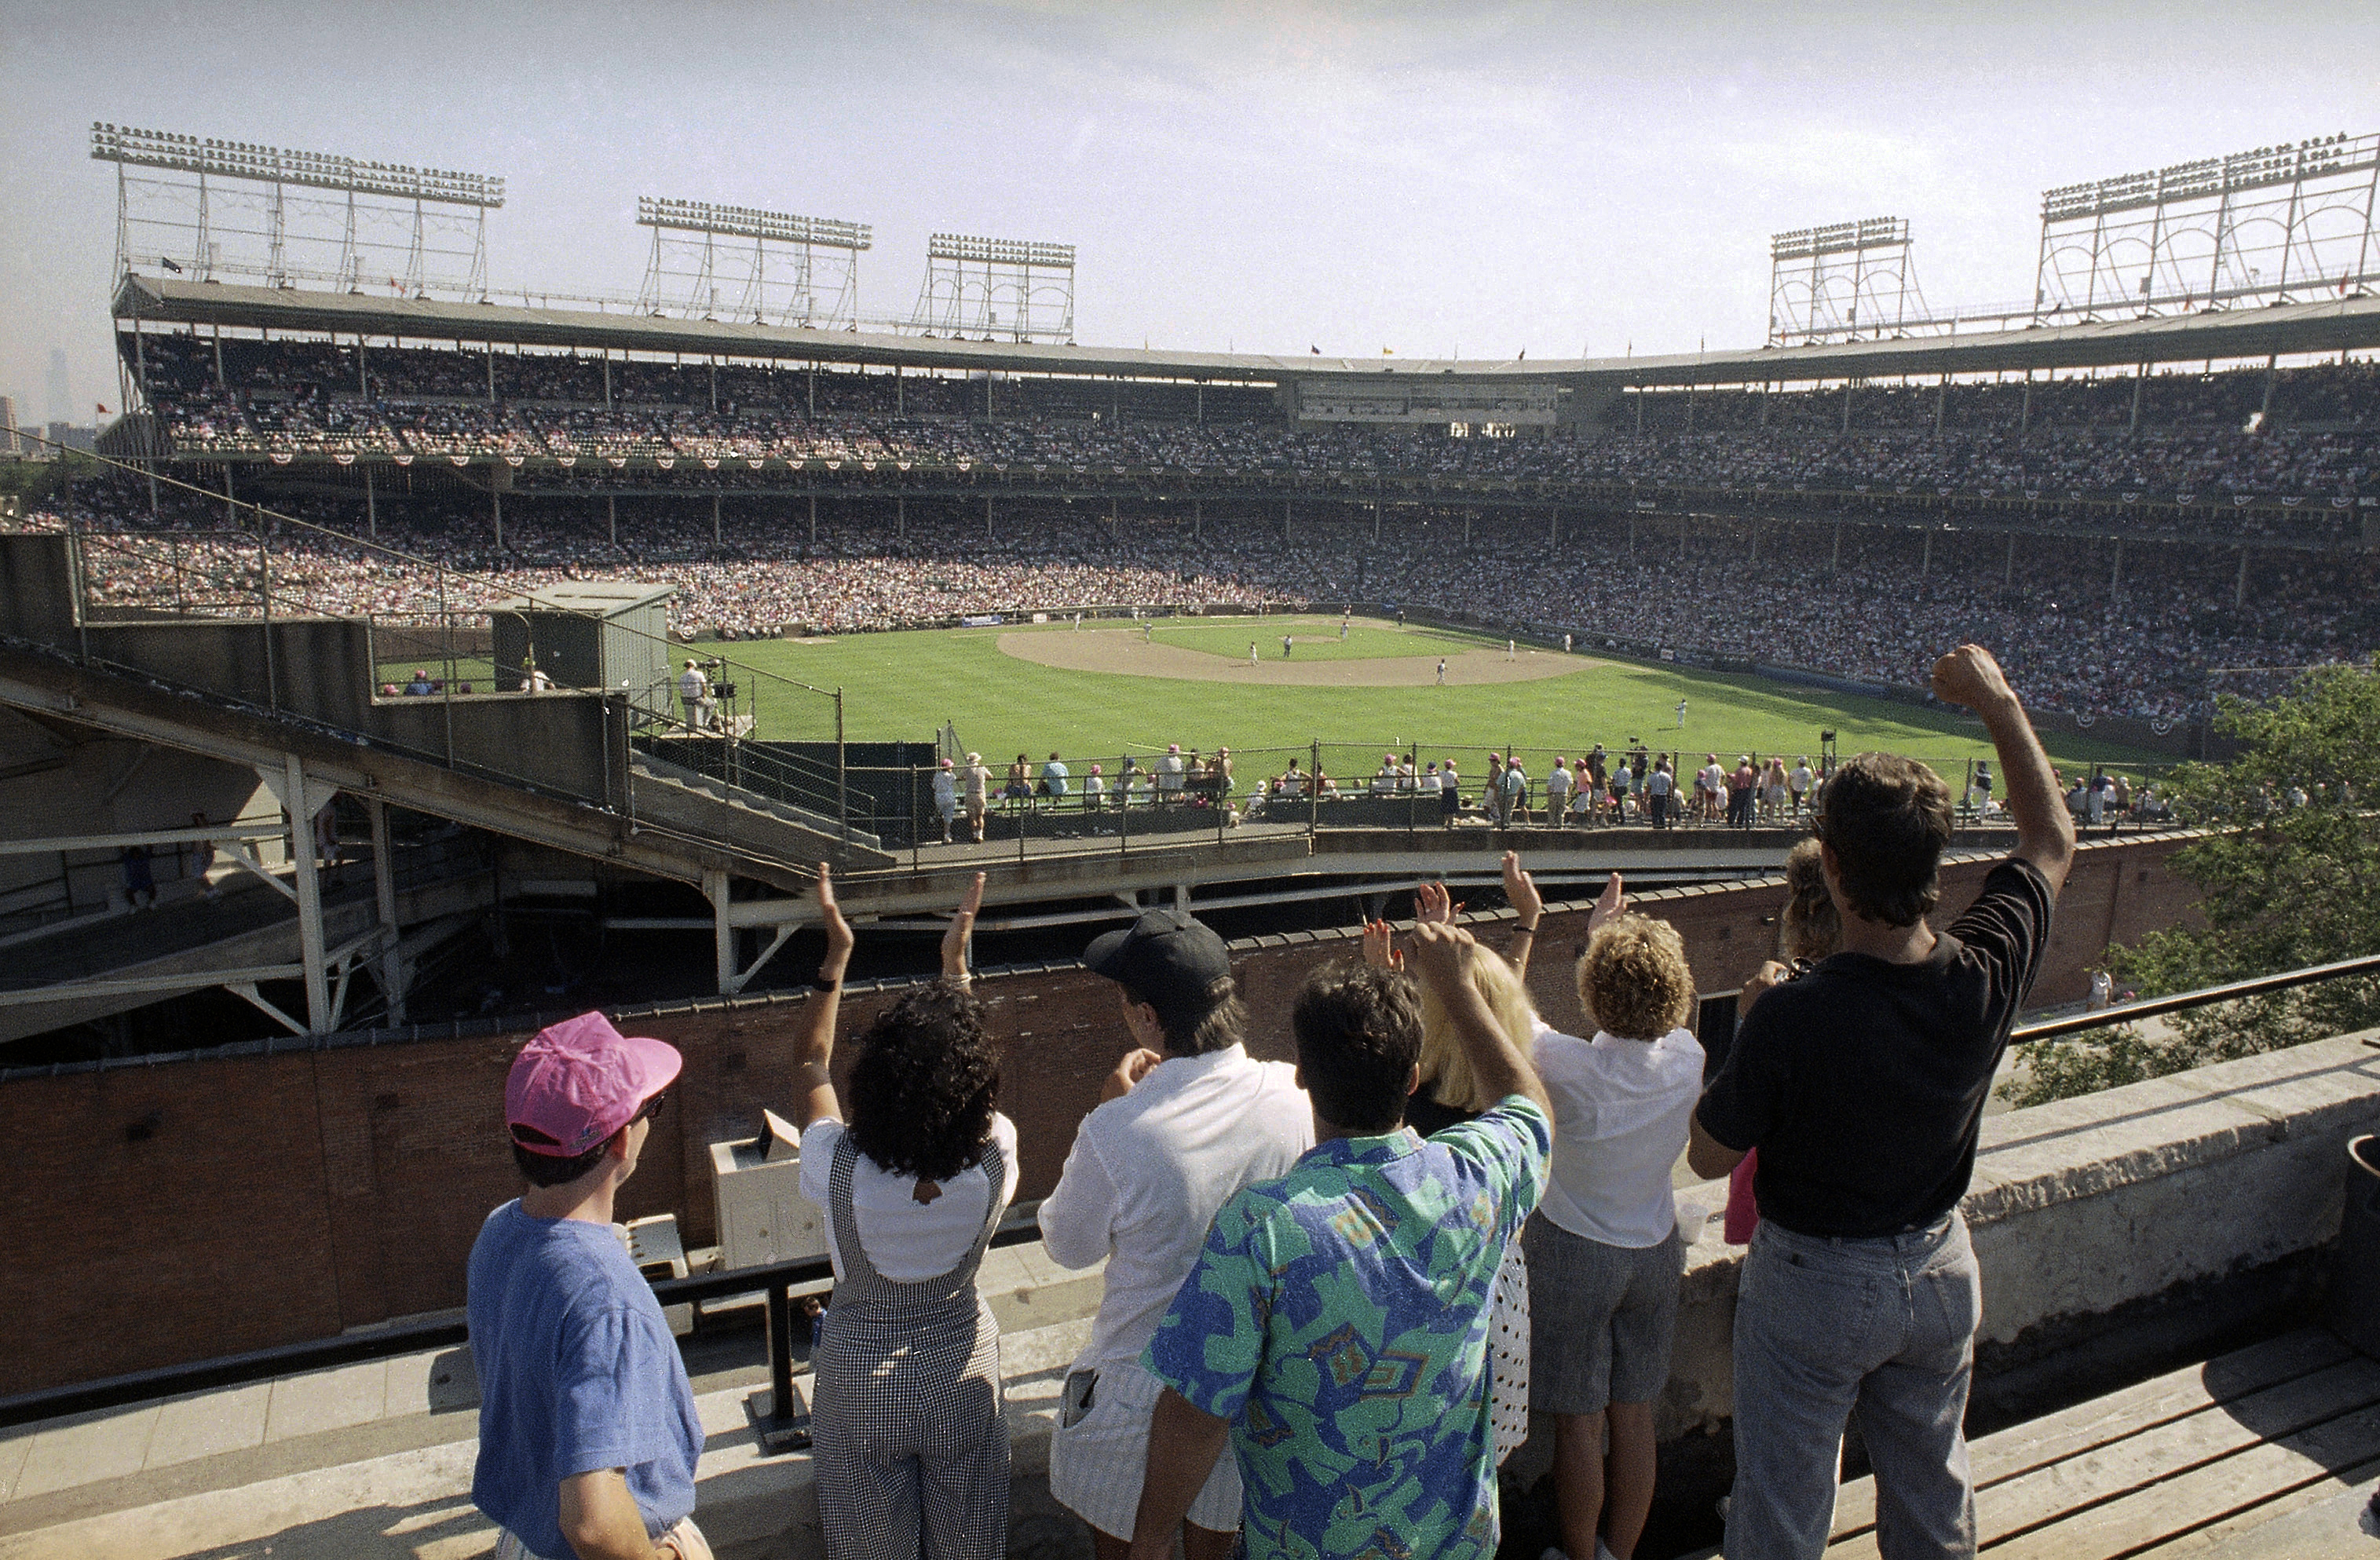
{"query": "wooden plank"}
pixel 2229 1489
pixel 2103 1420
pixel 2046 1498
pixel 2200 1541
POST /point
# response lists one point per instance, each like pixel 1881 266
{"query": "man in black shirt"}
pixel 1863 1084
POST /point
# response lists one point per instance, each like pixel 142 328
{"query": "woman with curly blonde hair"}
pixel 1605 1253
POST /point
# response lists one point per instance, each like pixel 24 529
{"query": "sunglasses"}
pixel 652 1108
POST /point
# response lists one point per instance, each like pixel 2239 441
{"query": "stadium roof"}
pixel 2344 324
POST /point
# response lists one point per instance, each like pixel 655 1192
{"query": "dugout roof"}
pixel 2344 324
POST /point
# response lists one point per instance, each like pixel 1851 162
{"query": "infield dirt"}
pixel 1124 652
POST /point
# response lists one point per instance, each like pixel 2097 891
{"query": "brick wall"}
pixel 195 1208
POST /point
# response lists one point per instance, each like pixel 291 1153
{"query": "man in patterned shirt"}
pixel 1335 1328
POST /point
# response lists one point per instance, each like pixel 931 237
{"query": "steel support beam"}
pixel 391 984
pixel 310 900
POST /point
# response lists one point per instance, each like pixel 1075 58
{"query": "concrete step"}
pixel 375 1460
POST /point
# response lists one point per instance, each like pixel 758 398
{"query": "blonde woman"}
pixel 1450 1092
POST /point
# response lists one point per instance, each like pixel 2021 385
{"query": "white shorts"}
pixel 1097 1464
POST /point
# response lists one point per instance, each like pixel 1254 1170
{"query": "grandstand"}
pixel 2118 503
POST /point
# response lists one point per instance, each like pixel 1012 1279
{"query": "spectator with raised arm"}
pixel 1334 1331
pixel 1863 1083
pixel 911 1445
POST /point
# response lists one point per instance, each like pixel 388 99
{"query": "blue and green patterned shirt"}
pixel 1338 1317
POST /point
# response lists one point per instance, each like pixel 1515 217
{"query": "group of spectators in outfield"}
pixel 2088 638
pixel 2077 441
pixel 1335 1292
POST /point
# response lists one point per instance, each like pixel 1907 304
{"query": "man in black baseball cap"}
pixel 1184 1121
pixel 1168 963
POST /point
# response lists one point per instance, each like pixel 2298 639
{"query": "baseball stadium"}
pixel 421 656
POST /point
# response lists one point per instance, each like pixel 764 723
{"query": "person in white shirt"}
pixel 1184 1121
pixel 694 692
pixel 946 796
pixel 1605 1253
pixel 1169 774
pixel 536 681
pixel 1558 783
pixel 976 778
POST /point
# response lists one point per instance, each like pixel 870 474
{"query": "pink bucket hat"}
pixel 581 1081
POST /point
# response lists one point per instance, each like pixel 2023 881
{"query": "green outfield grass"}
pixel 903 686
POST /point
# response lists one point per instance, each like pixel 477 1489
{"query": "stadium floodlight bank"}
pixel 1827 283
pixel 2280 224
pixel 797 270
pixel 226 207
pixel 997 289
pixel 320 170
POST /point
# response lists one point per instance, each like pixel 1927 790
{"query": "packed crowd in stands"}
pixel 2055 440
pixel 2089 632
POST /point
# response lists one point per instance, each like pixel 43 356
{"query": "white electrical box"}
pixel 763 1218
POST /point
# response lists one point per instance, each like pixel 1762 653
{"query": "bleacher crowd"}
pixel 2200 440
pixel 2089 640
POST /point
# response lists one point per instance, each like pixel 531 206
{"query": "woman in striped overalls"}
pixel 911 1445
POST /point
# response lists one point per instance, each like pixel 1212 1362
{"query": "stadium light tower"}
pixel 2278 224
pixel 997 288
pixel 795 270
pixel 1835 283
pixel 236 207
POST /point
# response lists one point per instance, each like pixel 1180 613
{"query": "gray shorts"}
pixel 1600 1318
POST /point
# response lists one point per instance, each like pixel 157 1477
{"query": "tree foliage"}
pixel 2284 883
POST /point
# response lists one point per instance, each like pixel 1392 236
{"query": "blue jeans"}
pixel 1823 1327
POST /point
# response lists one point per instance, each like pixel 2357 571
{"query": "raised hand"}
pixel 1432 903
pixel 1609 907
pixel 1521 891
pixel 1438 953
pixel 1380 947
pixel 839 939
pixel 962 927
pixel 1969 677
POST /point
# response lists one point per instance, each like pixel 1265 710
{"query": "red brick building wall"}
pixel 194 1208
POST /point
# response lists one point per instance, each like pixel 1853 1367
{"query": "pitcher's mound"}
pixel 1122 650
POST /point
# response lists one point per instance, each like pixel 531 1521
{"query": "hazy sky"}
pixel 1426 177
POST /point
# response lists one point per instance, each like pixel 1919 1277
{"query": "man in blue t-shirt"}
pixel 1335 1328
pixel 587 1430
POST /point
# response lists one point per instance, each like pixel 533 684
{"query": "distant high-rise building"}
pixel 61 404
pixel 9 443
pixel 72 436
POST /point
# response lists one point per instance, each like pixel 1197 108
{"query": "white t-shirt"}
pixel 1620 1114
pixel 906 1241
pixel 1147 1173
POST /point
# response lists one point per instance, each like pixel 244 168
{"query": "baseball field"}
pixel 1113 687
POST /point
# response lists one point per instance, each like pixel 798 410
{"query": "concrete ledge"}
pixel 2080 1210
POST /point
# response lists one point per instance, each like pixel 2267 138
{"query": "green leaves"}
pixel 2290 878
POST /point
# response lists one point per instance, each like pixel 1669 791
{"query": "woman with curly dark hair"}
pixel 911 1445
